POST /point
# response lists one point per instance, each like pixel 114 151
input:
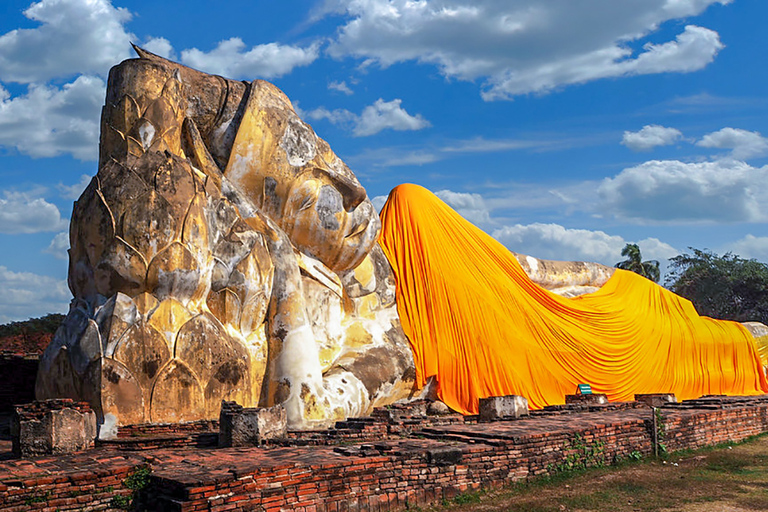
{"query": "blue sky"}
pixel 566 128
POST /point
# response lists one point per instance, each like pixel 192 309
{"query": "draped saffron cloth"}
pixel 478 323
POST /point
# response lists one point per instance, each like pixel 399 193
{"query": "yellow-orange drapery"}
pixel 483 328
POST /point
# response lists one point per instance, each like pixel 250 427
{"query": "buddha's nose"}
pixel 352 192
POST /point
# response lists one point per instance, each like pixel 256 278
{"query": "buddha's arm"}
pixel 568 278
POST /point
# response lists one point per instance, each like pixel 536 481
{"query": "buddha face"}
pixel 294 177
pixel 329 220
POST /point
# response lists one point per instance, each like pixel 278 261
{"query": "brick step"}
pixel 154 442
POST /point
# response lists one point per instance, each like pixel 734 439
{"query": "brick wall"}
pixel 86 490
pixel 392 472
pixel 395 475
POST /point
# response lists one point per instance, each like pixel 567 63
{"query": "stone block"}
pixel 498 407
pixel 589 399
pixel 438 408
pixel 241 426
pixel 656 399
pixel 52 427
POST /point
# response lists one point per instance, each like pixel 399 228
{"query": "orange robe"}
pixel 478 323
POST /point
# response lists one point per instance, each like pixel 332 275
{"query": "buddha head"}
pixel 253 133
pixel 295 178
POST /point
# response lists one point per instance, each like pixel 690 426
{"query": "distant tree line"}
pixel 727 287
pixel 44 324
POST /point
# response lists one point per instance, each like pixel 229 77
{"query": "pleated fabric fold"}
pixel 478 323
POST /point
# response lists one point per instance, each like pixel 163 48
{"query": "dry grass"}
pixel 711 480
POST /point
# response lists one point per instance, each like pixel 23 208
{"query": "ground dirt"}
pixel 721 479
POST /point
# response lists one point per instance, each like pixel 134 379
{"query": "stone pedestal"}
pixel 589 399
pixel 52 427
pixel 240 426
pixel 498 407
pixel 656 399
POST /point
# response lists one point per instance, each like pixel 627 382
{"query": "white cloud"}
pixel 339 116
pixel 26 295
pixel 22 213
pixel 74 36
pixel 341 87
pixel 387 114
pixel 521 46
pixel 380 116
pixel 49 121
pixel 555 242
pixel 470 206
pixel 73 192
pixel 160 46
pixel 751 247
pixel 651 136
pixel 58 246
pixel 744 144
pixel 670 190
pixel 231 58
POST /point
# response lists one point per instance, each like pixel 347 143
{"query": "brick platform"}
pixel 398 470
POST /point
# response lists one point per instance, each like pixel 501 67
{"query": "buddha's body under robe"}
pixel 480 326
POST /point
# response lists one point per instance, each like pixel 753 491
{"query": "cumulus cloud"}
pixel 651 136
pixel 743 143
pixel 27 295
pixel 58 246
pixel 50 121
pixel 470 206
pixel 692 50
pixel 750 247
pixel 83 39
pixel 20 212
pixel 341 87
pixel 160 46
pixel 521 46
pixel 232 58
pixel 670 190
pixel 74 36
pixel 555 242
pixel 340 116
pixel 382 115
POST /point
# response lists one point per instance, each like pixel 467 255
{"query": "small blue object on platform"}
pixel 584 389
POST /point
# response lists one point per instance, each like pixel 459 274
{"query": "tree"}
pixel 48 324
pixel 634 262
pixel 726 287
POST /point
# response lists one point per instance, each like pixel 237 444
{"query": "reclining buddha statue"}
pixel 224 252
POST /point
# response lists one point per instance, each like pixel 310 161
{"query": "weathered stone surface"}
pixel 52 427
pixel 497 407
pixel 656 399
pixel 567 278
pixel 222 252
pixel 438 408
pixel 591 398
pixel 239 426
